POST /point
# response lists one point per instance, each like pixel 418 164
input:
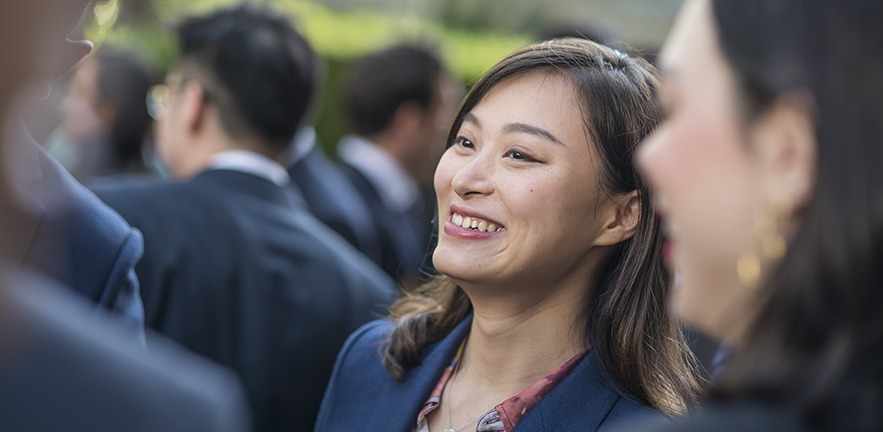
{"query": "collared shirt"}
pixel 303 143
pixel 397 189
pixel 252 163
pixel 506 415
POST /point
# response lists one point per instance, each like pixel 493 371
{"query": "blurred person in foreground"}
pixel 235 267
pixel 399 102
pixel 550 314
pixel 69 235
pixel 767 170
pixel 105 124
pixel 63 367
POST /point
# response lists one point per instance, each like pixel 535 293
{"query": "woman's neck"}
pixel 513 344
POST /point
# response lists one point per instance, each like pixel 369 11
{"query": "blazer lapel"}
pixel 580 402
pixel 404 399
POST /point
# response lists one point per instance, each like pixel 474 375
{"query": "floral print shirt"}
pixel 506 415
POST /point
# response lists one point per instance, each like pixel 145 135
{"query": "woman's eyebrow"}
pixel 525 128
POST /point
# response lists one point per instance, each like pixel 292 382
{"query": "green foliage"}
pixel 338 36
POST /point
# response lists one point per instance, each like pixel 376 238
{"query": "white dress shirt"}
pixel 397 189
pixel 252 163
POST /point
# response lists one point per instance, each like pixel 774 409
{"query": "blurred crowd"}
pixel 580 240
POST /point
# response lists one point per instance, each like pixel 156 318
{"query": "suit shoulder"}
pixel 627 413
pixel 737 417
pixel 367 342
pixel 92 366
pixel 357 371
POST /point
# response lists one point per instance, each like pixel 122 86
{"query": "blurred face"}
pixel 518 191
pixel 701 165
pixel 81 117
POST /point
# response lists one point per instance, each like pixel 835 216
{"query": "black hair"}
pixel 260 72
pixel 817 336
pixel 379 83
pixel 122 81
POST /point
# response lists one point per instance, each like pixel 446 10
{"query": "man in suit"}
pixel 400 104
pixel 330 195
pixel 64 367
pixel 68 235
pixel 234 266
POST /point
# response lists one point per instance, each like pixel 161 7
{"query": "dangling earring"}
pixel 772 247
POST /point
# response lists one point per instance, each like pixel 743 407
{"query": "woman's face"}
pixel 705 175
pixel 518 196
pixel 80 115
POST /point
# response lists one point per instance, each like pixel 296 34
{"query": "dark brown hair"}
pixel 816 339
pixel 627 322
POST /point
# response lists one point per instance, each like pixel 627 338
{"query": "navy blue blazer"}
pixel 335 201
pixel 65 232
pixel 363 396
pixel 403 237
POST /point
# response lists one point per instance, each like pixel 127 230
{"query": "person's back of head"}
pixel 401 99
pixel 379 83
pixel 257 69
pixel 122 81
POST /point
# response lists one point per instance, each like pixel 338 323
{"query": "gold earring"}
pixel 772 247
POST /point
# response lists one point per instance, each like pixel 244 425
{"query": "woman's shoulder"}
pixel 738 416
pixel 366 343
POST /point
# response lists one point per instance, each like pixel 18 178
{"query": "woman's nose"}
pixel 475 177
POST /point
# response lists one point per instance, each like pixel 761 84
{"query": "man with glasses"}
pixel 235 268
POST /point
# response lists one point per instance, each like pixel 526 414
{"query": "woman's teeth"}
pixel 475 223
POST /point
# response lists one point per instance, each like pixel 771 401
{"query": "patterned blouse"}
pixel 506 415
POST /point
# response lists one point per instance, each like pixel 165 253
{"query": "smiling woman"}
pixel 551 309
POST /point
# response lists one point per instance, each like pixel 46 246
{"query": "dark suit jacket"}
pixel 69 235
pixel 403 237
pixel 334 201
pixel 362 395
pixel 64 368
pixel 236 270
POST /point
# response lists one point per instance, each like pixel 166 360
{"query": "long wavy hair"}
pixel 627 323
pixel 816 338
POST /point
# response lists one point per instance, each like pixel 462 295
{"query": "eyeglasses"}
pixel 157 96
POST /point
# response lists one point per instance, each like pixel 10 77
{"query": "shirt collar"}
pixel 250 162
pixel 302 144
pixel 396 187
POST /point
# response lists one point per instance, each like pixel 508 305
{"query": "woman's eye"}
pixel 463 142
pixel 520 156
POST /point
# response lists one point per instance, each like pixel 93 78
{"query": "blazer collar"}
pixel 251 185
pixel 406 397
pixel 580 402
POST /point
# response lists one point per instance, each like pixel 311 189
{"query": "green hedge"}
pixel 338 36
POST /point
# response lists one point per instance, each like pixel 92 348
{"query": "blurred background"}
pixel 471 35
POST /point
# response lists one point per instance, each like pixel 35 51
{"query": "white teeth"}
pixel 474 223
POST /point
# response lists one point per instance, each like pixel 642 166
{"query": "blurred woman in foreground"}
pixel 768 176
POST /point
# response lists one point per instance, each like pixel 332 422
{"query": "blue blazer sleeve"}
pixel 354 372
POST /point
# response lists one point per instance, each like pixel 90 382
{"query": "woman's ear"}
pixel 622 221
pixel 785 144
